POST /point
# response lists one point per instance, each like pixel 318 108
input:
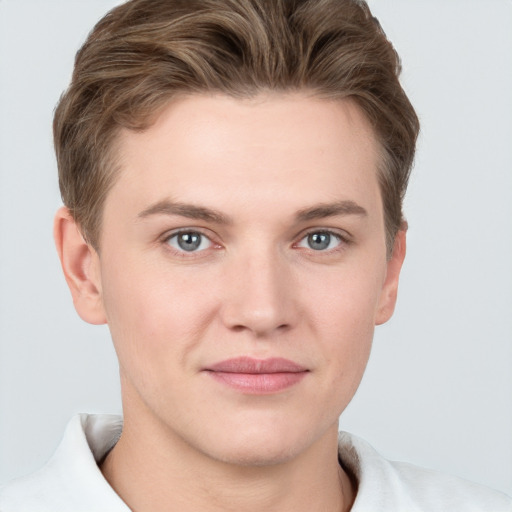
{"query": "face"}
pixel 242 270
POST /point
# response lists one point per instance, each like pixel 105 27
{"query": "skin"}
pixel 257 180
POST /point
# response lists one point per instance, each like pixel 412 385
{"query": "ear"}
pixel 389 291
pixel 81 267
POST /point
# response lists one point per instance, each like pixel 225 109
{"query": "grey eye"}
pixel 319 241
pixel 189 241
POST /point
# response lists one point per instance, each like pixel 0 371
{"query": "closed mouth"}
pixel 257 376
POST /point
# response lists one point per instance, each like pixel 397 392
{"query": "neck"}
pixel 153 469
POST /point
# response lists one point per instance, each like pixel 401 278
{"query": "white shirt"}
pixel 72 482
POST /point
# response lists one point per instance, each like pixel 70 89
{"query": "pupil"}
pixel 189 241
pixel 319 241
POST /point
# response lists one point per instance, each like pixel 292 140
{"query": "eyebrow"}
pixel 323 210
pixel 167 207
pixel 318 211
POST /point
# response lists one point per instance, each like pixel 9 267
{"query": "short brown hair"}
pixel 144 52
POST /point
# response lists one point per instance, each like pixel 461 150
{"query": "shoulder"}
pixel 445 492
pixel 397 486
pixel 71 480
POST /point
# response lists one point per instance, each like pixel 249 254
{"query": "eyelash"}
pixel 192 231
pixel 343 241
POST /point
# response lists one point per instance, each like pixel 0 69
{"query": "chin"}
pixel 261 445
pixel 256 455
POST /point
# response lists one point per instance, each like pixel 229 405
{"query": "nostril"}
pixel 259 330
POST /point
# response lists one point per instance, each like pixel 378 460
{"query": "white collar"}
pixel 71 481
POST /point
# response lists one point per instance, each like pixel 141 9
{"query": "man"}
pixel 233 174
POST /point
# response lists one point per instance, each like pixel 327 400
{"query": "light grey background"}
pixel 438 391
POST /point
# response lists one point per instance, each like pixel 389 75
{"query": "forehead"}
pixel 272 146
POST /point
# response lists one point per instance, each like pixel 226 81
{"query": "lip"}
pixel 257 376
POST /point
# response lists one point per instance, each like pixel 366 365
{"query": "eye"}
pixel 189 241
pixel 320 241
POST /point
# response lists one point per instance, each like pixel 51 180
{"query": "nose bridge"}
pixel 260 292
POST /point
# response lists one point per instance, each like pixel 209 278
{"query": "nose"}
pixel 259 295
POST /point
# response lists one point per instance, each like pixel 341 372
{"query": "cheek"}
pixel 343 317
pixel 155 317
pixel 347 347
pixel 345 299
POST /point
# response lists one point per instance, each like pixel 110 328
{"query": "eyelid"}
pixel 206 233
pixel 340 233
pixel 343 236
pixel 187 229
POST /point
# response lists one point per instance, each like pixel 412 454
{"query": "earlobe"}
pixel 389 292
pixel 80 264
